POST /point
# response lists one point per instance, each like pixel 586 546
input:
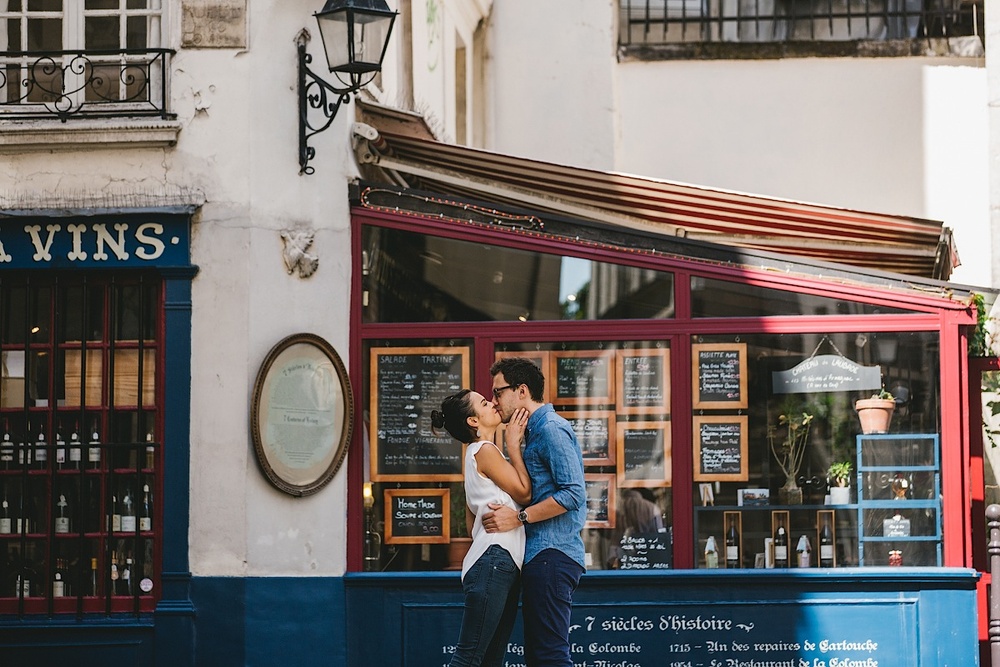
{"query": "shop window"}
pixel 723 298
pixel 775 424
pixel 412 277
pixel 615 394
pixel 80 418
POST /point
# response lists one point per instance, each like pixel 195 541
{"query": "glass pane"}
pixel 45 5
pixel 73 376
pixel 45 35
pixel 104 83
pixel 40 324
pixel 73 310
pixel 411 277
pixel 721 298
pixel 12 379
pixel 136 33
pixel 791 417
pixel 101 4
pixel 991 435
pixel 14 315
pixel 101 32
pixel 135 307
pixel 13 32
pixel 137 4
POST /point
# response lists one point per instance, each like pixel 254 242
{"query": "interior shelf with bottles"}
pixel 78 522
pixel 899 499
pixel 766 536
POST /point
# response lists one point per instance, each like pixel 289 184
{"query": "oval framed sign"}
pixel 302 414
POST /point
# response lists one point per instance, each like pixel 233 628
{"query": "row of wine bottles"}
pixel 37 453
pixel 124 576
pixel 74 508
pixel 781 549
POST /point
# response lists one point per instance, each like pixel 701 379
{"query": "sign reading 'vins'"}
pixel 720 449
pixel 409 383
pixel 719 375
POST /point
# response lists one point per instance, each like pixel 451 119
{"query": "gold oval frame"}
pixel 302 414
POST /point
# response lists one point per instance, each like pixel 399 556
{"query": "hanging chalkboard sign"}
pixel 720 449
pixel 719 375
pixel 601 500
pixel 409 382
pixel 646 551
pixel 417 516
pixel 583 377
pixel 594 432
pixel 643 454
pixel 643 381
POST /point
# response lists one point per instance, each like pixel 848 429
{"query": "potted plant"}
pixel 875 413
pixel 839 475
pixel 460 540
pixel 789 452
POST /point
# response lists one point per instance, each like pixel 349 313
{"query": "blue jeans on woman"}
pixel 491 590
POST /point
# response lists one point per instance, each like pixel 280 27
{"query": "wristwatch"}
pixel 522 516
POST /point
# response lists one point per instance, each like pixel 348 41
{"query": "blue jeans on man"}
pixel 491 592
pixel 548 582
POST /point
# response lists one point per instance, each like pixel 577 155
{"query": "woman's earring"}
pixel 477 432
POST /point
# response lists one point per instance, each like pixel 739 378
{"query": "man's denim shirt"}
pixel 555 464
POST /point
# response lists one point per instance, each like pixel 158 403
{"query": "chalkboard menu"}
pixel 719 375
pixel 583 377
pixel 720 449
pixel 601 497
pixel 417 516
pixel 595 431
pixel 643 454
pixel 646 551
pixel 409 382
pixel 643 381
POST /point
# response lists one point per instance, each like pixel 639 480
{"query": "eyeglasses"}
pixel 500 390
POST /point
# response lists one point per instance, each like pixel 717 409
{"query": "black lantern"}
pixel 355 36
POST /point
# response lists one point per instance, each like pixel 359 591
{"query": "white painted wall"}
pixel 889 135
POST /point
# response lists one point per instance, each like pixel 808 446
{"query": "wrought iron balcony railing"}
pixel 666 22
pixel 76 84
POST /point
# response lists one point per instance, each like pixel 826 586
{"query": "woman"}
pixel 491 570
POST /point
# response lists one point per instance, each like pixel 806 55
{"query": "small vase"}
pixel 790 493
pixel 875 414
pixel 840 495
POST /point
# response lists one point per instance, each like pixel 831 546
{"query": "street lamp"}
pixel 355 36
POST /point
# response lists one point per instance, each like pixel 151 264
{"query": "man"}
pixel 554 553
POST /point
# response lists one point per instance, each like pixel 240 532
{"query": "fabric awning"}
pixel 901 244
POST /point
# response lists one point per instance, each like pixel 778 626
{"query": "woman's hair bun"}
pixel 437 418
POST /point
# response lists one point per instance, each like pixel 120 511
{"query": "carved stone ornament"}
pixel 297 242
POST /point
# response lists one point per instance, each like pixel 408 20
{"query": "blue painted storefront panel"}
pixel 859 618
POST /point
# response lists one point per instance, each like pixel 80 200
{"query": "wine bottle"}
pixel 114 573
pixel 58 582
pixel 94 450
pixel 62 521
pixel 23 453
pixel 60 451
pixel 803 552
pixel 146 513
pixel 93 577
pixel 128 512
pixel 127 577
pixel 732 545
pixel 5 524
pixel 6 450
pixel 41 452
pixel 781 546
pixel 150 452
pixel 711 553
pixel 75 451
pixel 825 543
pixel 116 515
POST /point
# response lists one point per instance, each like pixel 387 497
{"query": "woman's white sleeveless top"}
pixel 480 491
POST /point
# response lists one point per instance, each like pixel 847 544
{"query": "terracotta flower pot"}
pixel 457 548
pixel 875 414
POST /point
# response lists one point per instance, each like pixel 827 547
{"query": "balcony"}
pixel 84 84
pixel 786 28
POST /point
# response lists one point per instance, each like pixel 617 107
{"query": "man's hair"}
pixel 517 371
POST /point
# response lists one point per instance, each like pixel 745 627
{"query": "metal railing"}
pixel 655 22
pixel 67 84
